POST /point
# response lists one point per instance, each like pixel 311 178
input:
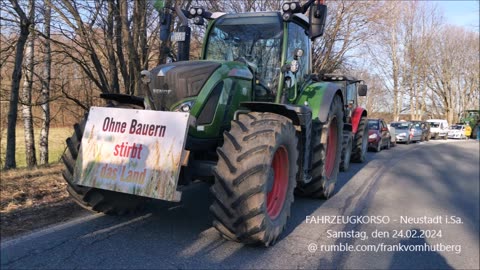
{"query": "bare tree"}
pixel 346 30
pixel 25 23
pixel 26 96
pixel 454 71
pixel 45 92
pixel 385 53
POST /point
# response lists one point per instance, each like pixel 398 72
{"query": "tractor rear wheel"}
pixel 360 142
pixel 346 151
pixel 94 199
pixel 327 147
pixel 255 178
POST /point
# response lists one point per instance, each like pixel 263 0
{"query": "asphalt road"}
pixel 435 183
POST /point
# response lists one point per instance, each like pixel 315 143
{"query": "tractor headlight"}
pixel 293 6
pixel 193 11
pixel 184 106
pixel 286 7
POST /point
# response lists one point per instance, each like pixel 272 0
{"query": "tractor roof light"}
pixel 292 7
pixel 289 8
pixel 198 20
pixel 196 11
pixel 197 14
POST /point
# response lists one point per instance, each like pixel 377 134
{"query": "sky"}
pixel 461 12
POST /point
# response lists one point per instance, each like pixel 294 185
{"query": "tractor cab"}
pixel 264 42
pixel 351 88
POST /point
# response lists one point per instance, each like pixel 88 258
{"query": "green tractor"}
pixel 472 117
pixel 250 118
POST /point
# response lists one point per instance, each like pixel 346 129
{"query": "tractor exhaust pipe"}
pixel 182 36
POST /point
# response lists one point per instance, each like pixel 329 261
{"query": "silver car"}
pixel 407 132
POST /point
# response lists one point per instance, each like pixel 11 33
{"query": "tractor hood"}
pixel 173 82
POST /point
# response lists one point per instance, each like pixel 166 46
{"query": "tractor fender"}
pixel 123 99
pixel 319 96
pixel 298 114
pixel 357 115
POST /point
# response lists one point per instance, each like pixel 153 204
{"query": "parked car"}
pixel 438 128
pixel 406 132
pixel 457 132
pixel 425 126
pixel 378 135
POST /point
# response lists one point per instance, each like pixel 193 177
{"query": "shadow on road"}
pixel 455 185
pixel 417 255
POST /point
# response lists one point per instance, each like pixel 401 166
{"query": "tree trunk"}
pixel 112 62
pixel 25 23
pixel 26 98
pixel 119 40
pixel 132 56
pixel 45 94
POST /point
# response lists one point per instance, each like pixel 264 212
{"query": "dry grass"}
pixel 56 144
pixel 31 199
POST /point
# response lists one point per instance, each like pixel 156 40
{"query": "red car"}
pixel 378 135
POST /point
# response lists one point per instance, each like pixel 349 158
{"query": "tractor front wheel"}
pixel 94 199
pixel 255 178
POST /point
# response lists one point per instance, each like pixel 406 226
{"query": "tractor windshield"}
pixel 255 40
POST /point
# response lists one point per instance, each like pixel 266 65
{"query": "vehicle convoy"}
pixel 438 128
pixel 379 136
pixel 355 141
pixel 251 117
pixel 472 117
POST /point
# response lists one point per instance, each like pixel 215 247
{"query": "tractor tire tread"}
pixel 239 207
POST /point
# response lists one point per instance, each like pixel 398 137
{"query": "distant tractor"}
pixel 355 137
pixel 249 117
pixel 471 117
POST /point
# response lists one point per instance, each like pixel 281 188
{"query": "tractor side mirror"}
pixel 317 17
pixel 362 90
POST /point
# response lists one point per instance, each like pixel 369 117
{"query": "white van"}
pixel 438 128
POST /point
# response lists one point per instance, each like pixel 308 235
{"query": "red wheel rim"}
pixel 331 148
pixel 276 197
